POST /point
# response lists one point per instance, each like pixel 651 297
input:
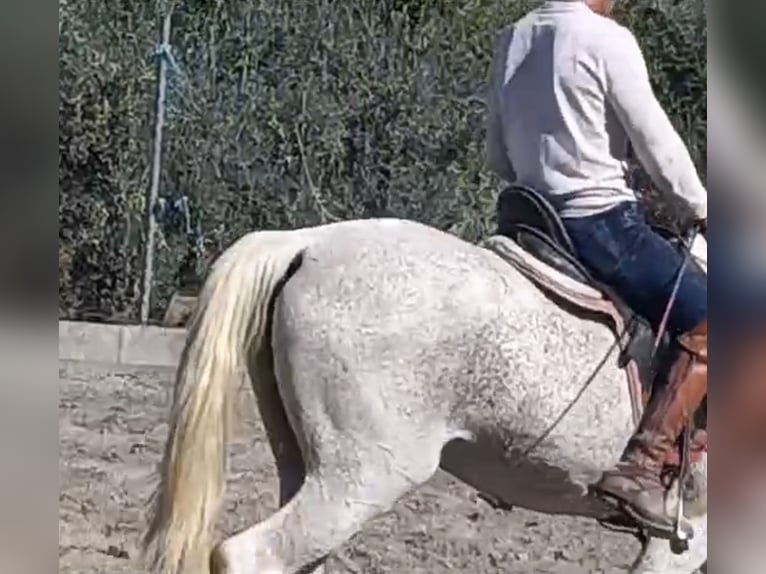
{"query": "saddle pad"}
pixel 537 270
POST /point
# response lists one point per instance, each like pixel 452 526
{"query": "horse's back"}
pixel 392 276
pixel 403 251
pixel 396 298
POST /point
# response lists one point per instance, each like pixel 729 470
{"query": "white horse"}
pixel 379 351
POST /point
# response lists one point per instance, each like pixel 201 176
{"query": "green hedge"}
pixel 285 114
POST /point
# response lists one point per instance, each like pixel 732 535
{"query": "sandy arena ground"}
pixel 112 430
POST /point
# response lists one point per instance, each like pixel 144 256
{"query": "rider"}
pixel 570 91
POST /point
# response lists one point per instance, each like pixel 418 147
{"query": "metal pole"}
pixel 151 200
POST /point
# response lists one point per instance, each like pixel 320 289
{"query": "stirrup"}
pixel 628 519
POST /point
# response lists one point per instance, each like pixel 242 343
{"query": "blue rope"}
pixel 165 51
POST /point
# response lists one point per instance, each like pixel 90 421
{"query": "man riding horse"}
pixel 570 92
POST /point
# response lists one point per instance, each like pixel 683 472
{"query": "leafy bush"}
pixel 286 114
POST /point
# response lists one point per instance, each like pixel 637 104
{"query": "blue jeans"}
pixel 620 249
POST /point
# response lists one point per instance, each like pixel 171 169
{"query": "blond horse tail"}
pixel 230 323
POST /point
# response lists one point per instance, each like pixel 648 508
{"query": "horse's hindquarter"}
pixel 392 330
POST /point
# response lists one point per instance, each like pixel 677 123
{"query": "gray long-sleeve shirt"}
pixel 569 90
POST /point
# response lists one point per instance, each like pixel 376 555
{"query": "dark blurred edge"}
pixel 737 187
pixel 28 156
pixel 28 389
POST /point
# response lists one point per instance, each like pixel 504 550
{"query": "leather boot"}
pixel 636 483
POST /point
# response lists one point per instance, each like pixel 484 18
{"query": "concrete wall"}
pixel 132 345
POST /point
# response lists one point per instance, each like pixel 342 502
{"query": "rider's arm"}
pixel 657 144
pixel 497 154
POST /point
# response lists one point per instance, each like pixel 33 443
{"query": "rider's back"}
pixel 551 97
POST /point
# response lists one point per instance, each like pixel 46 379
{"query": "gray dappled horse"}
pixel 380 350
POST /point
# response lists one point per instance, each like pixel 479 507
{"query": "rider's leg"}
pixel 636 480
pixel 621 250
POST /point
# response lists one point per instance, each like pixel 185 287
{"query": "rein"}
pixel 685 247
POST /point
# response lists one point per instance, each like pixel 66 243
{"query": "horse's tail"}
pixel 229 325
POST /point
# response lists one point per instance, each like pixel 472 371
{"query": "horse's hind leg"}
pixel 291 471
pixel 282 440
pixel 332 505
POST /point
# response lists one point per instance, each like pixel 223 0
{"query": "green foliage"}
pixel 286 114
pixel 105 97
